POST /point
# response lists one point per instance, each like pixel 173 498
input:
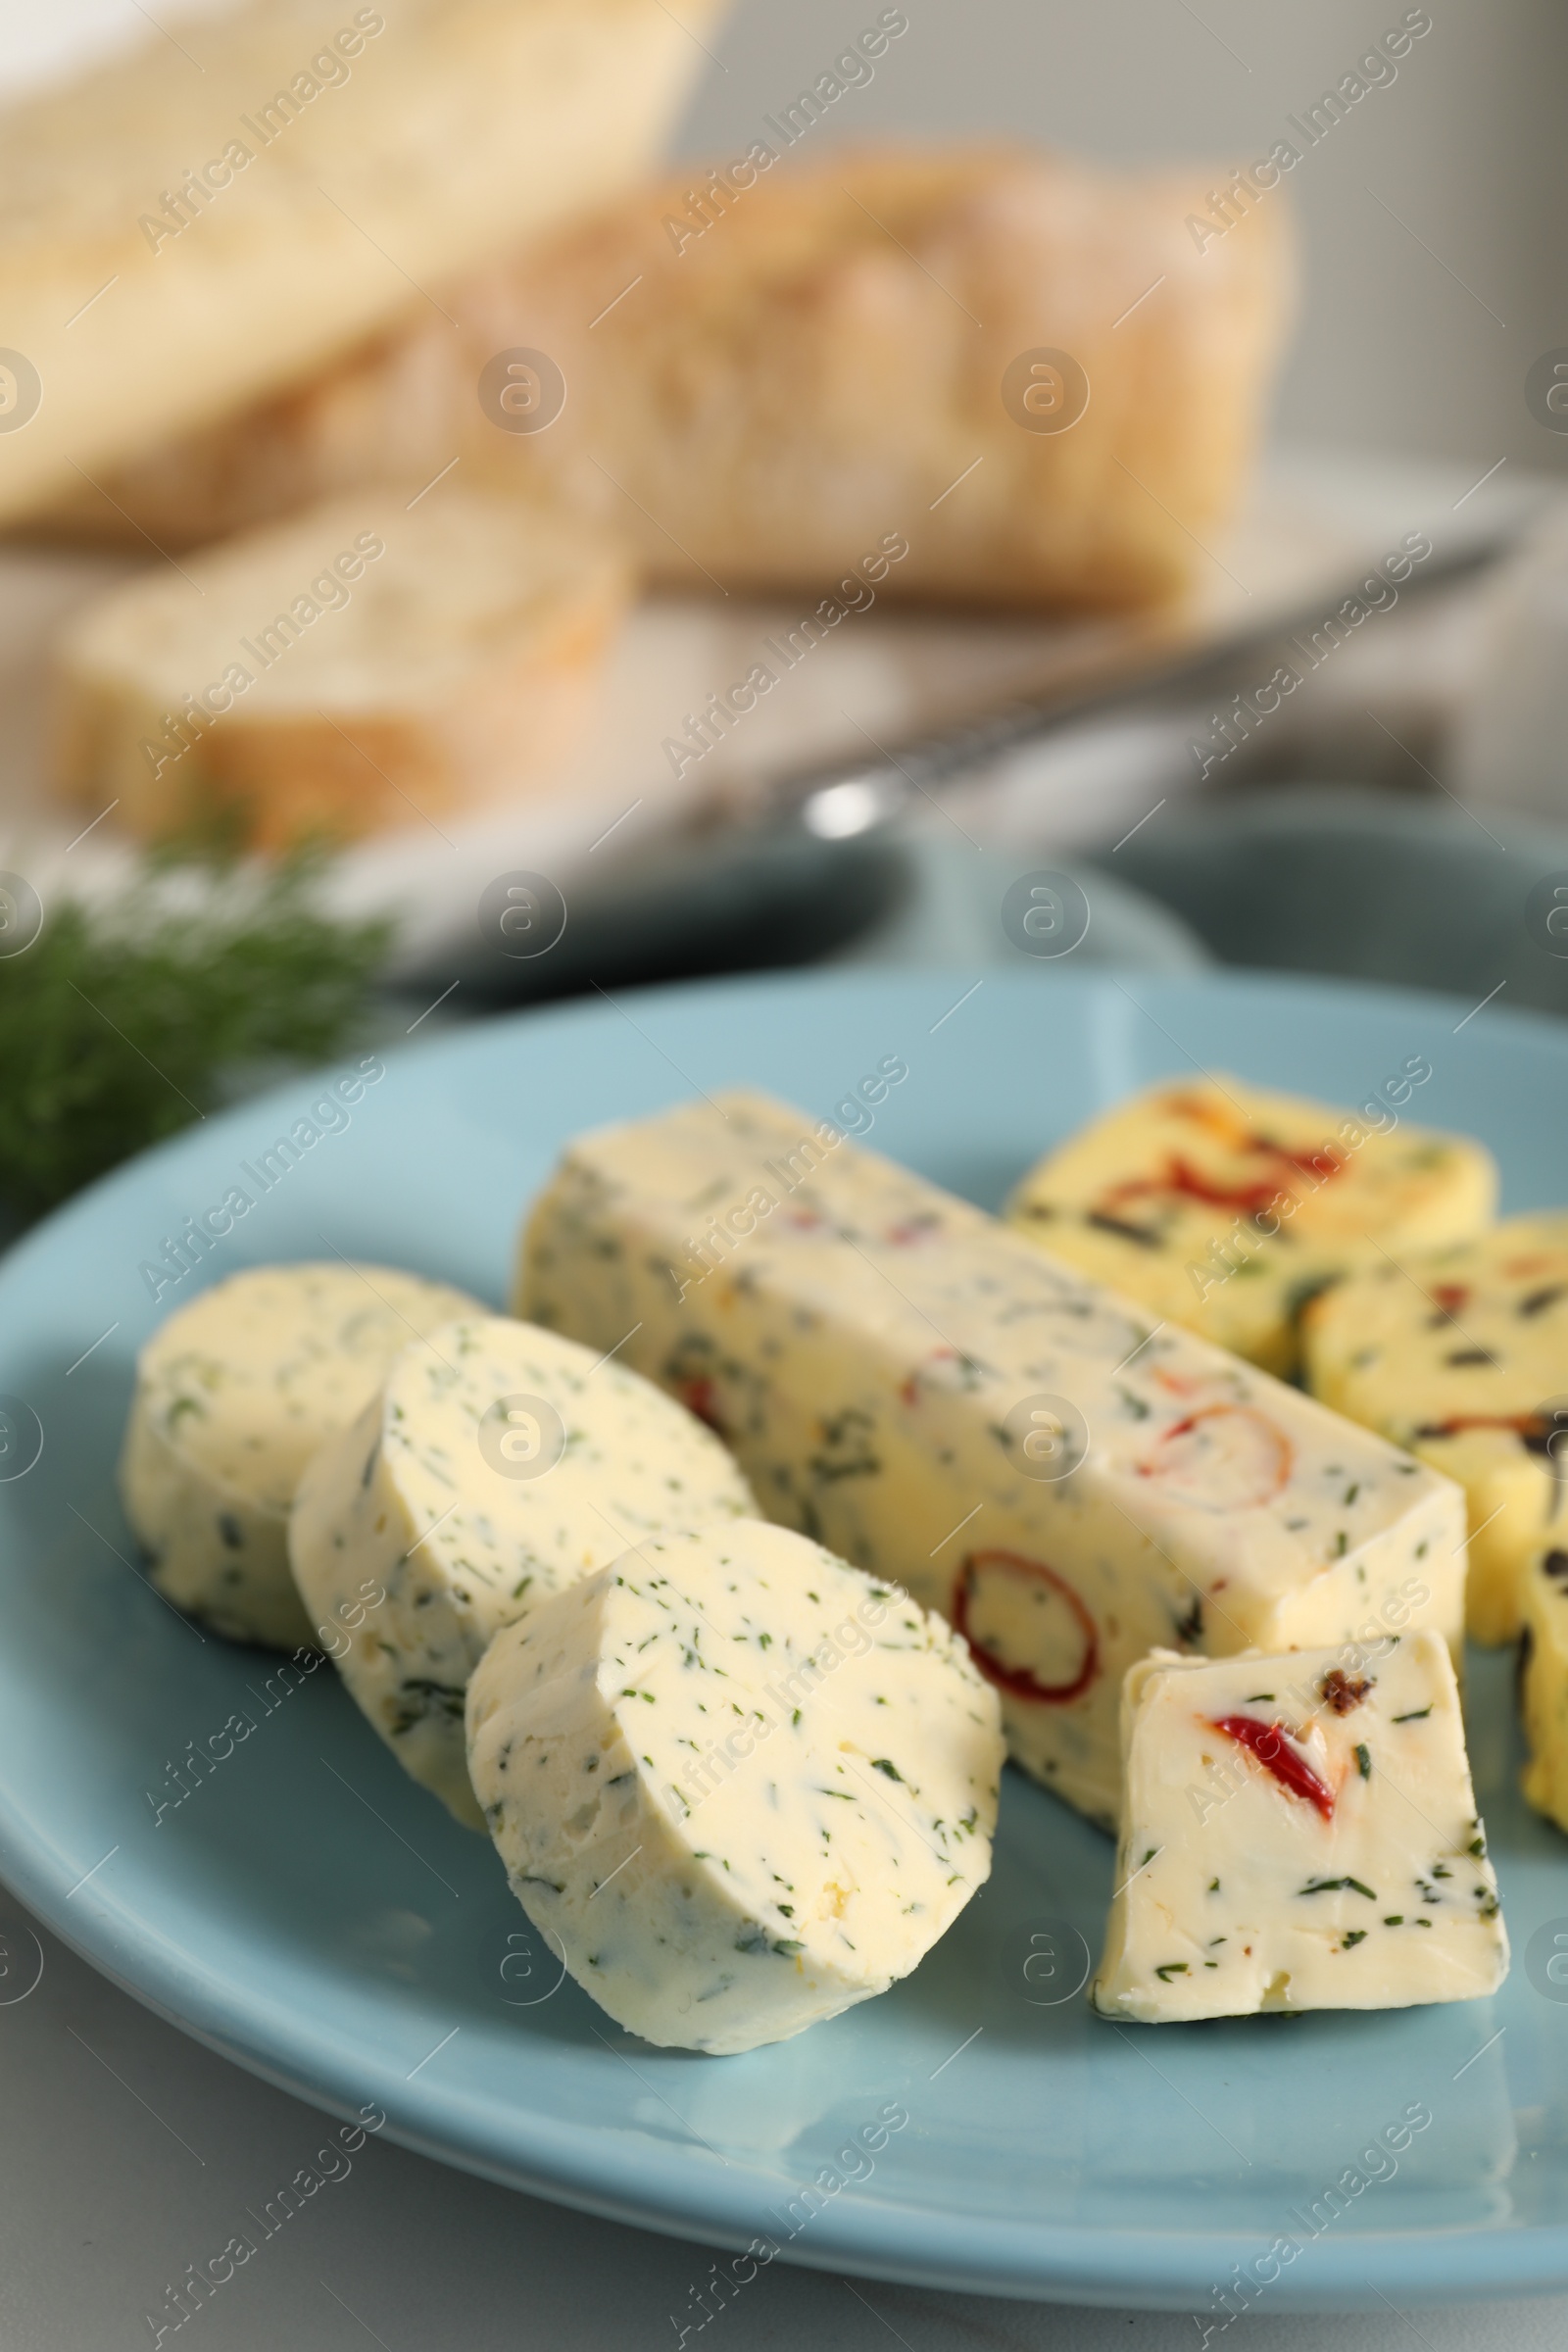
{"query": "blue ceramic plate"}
pixel 312 1914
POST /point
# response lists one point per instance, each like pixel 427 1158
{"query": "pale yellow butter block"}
pixel 1298 1832
pixel 234 1394
pixel 1462 1356
pixel 1226 1208
pixel 1543 1679
pixel 933 1398
pixel 737 1786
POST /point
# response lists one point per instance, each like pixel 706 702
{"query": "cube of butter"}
pixel 1067 1479
pixel 1298 1832
pixel 1461 1354
pixel 1544 1681
pixel 1225 1208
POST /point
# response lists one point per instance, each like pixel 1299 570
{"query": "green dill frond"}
pixel 121 1024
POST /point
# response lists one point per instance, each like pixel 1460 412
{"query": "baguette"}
pixel 185 229
pixel 839 355
pixel 356 669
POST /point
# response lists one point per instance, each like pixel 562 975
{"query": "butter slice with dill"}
pixel 737 1786
pixel 234 1394
pixel 496 1464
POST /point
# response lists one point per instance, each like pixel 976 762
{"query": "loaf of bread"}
pixel 356 669
pixel 1029 374
pixel 189 227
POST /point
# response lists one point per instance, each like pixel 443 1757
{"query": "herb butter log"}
pixel 496 1464
pixel 1298 1833
pixel 234 1393
pixel 1226 1208
pixel 906 1379
pixel 736 1784
pixel 1462 1355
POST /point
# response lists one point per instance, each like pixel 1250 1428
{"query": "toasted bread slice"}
pixel 356 669
pixel 188 228
pixel 843 360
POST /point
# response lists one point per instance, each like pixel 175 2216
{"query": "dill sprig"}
pixel 121 1024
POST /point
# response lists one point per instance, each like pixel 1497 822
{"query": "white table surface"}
pixel 127 2149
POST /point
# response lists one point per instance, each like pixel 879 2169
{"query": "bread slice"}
pixel 834 368
pixel 358 668
pixel 189 227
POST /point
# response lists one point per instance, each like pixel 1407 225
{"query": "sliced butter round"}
pixel 738 1784
pixel 498 1464
pixel 234 1393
